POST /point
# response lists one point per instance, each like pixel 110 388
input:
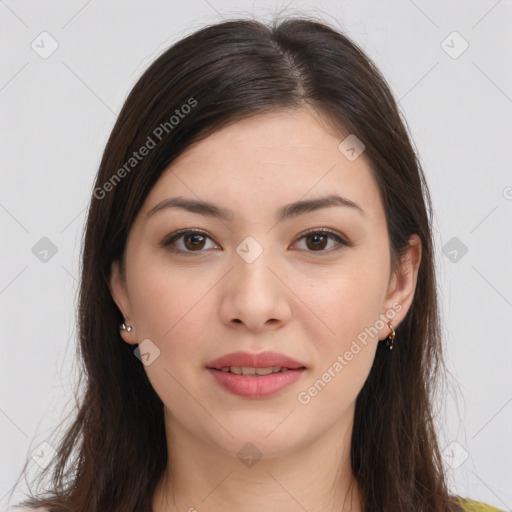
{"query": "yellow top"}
pixel 469 506
pixel 476 506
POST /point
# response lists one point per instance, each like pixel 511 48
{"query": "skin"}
pixel 306 301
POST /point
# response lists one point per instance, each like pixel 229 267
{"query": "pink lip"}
pixel 255 386
pixel 251 360
pixel 252 386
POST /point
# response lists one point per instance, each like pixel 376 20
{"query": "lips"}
pixel 252 360
pixel 255 376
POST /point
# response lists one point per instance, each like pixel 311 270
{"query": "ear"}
pixel 402 286
pixel 120 295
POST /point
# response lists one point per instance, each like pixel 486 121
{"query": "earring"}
pixel 124 327
pixel 391 337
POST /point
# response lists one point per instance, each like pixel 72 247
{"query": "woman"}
pixel 258 315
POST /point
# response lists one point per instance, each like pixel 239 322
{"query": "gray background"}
pixel 56 114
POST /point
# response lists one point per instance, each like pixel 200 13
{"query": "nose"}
pixel 255 295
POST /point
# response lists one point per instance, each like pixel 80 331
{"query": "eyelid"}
pixel 341 241
pixel 338 237
pixel 167 241
pixel 326 231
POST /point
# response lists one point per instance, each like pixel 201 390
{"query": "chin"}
pixel 260 440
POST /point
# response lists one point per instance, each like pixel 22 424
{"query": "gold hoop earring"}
pixel 391 338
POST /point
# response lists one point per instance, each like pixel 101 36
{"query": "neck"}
pixel 317 476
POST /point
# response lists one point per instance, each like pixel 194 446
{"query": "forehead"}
pixel 268 160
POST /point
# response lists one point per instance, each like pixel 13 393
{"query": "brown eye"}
pixel 186 241
pixel 190 241
pixel 317 241
pixel 194 241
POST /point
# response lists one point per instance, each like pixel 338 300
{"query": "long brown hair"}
pixel 114 453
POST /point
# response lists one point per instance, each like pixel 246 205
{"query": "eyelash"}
pixel 169 241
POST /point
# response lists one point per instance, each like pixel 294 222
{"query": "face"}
pixel 200 286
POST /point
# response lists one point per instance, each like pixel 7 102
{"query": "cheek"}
pixel 344 354
pixel 171 308
pixel 348 301
pixel 345 299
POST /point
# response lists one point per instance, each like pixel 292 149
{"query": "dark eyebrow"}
pixel 284 213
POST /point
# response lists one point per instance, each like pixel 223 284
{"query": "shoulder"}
pixel 476 506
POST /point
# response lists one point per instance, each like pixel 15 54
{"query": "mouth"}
pixel 255 375
pixel 254 363
pixel 255 385
pixel 255 371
